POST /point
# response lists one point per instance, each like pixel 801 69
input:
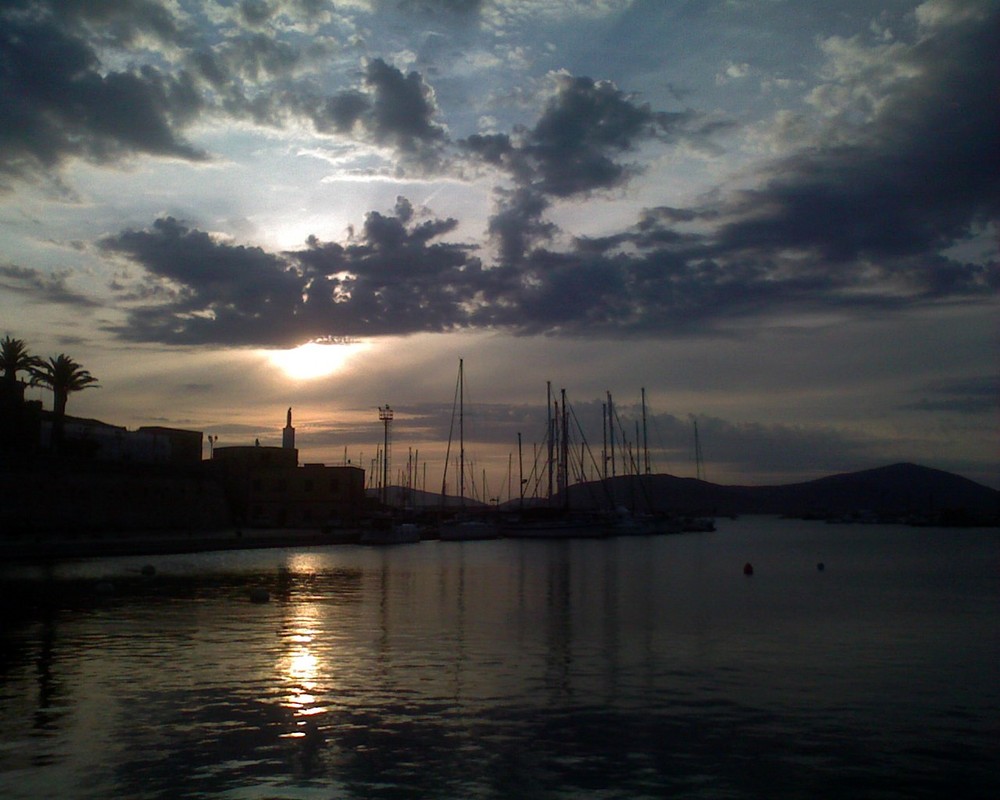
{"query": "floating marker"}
pixel 748 568
pixel 821 566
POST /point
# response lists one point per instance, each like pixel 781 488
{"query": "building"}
pixel 20 422
pixel 104 476
pixel 183 447
pixel 265 487
pixel 147 445
pixel 101 478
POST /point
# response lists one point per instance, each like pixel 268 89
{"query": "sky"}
pixel 778 219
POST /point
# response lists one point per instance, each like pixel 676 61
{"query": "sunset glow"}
pixel 777 217
pixel 315 359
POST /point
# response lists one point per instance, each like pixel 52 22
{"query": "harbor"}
pixel 632 666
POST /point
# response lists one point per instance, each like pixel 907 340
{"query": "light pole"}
pixel 385 415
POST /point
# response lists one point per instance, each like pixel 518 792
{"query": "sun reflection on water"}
pixel 300 669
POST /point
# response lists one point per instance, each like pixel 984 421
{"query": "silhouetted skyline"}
pixel 777 218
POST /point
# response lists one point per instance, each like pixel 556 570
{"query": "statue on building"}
pixel 288 434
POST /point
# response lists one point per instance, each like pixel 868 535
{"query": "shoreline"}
pixel 46 547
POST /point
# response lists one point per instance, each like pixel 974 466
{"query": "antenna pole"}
pixel 385 415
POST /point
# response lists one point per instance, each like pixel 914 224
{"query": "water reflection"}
pixel 47 711
pixel 497 669
pixel 300 667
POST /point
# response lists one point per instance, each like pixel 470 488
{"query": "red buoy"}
pixel 748 568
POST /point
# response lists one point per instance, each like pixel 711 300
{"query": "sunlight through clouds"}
pixel 719 202
pixel 315 359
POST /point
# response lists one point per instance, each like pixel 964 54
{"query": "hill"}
pixel 401 497
pixel 896 491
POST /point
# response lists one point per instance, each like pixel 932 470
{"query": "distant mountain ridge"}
pixel 894 490
pixel 897 489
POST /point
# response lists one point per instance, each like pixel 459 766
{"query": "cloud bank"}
pixel 862 218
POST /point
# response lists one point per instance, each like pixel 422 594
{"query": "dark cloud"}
pixel 403 209
pixel 402 108
pixel 221 292
pixel 860 227
pixel 39 287
pixel 255 12
pixel 921 176
pixel 65 101
pixel 574 146
pixel 391 108
pixel 496 149
pixel 859 222
pixel 58 102
pixel 574 149
pixel 582 127
pixel 517 227
pixel 343 111
pixel 440 8
pixel 61 99
pixel 118 23
pixel 393 279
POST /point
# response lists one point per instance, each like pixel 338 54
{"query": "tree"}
pixel 62 375
pixel 16 431
pixel 14 358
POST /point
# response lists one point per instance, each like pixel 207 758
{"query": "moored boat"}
pixel 402 533
pixel 548 523
pixel 468 529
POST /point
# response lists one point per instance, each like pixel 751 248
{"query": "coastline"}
pixel 49 547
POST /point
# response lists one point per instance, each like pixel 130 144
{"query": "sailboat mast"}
pixel 604 433
pixel 611 433
pixel 697 452
pixel 461 431
pixel 551 437
pixel 635 461
pixel 510 475
pixel 520 468
pixel 564 452
pixel 645 437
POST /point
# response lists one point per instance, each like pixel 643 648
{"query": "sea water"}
pixel 619 668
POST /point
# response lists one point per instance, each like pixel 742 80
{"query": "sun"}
pixel 315 359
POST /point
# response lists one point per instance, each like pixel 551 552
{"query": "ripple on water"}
pixel 636 668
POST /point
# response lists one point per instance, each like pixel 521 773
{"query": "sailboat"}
pixel 551 521
pixel 463 527
pixel 630 521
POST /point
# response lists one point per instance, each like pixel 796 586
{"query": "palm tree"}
pixel 62 375
pixel 14 358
